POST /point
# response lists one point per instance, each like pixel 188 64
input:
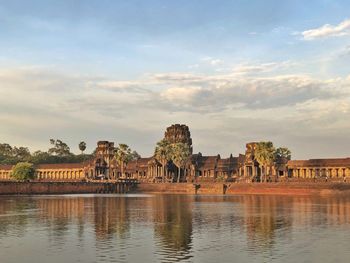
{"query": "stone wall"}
pixel 62 187
pixel 246 188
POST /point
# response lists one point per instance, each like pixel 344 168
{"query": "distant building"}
pixel 198 168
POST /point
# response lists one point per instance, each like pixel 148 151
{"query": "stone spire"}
pixel 178 133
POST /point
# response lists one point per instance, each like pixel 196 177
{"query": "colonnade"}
pixel 5 174
pixel 59 174
pixel 154 171
pixel 315 172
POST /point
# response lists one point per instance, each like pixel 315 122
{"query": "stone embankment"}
pixel 37 187
pixel 287 188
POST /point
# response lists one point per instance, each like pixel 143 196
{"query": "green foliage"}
pixel 135 155
pixel 163 151
pixel 5 149
pixel 23 171
pixel 82 147
pixel 264 153
pixel 57 154
pixel 282 154
pixel 124 155
pixel 11 155
pixel 59 148
pixel 180 154
pixel 21 153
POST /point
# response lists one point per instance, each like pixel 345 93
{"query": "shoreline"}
pixel 207 188
pixel 316 188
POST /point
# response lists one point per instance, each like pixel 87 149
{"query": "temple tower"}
pixel 178 133
pixel 104 155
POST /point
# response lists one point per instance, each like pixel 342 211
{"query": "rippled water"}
pixel 174 228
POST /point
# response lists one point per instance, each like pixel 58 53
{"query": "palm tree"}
pixel 123 155
pixel 163 153
pixel 82 147
pixel 264 155
pixel 181 153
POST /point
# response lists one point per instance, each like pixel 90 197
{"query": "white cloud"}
pixel 36 104
pixel 212 61
pixel 327 30
pixel 183 94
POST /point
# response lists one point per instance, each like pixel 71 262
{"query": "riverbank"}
pixel 282 188
pixel 286 188
pixel 64 187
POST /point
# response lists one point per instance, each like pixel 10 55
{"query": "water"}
pixel 174 228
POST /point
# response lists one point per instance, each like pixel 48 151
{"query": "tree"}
pixel 23 171
pixel 180 154
pixel 59 148
pixel 21 153
pixel 163 153
pixel 264 155
pixel 135 155
pixel 5 149
pixel 82 147
pixel 123 156
pixel 282 154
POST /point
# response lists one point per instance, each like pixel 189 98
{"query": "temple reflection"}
pixel 172 226
pixel 171 223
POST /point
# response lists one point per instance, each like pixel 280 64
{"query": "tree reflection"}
pixel 111 217
pixel 124 224
pixel 263 217
pixel 173 226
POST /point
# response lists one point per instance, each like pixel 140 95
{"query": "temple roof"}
pixel 6 166
pixel 207 162
pixel 60 166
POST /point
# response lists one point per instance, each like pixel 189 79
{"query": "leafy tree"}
pixel 282 154
pixel 82 147
pixel 23 171
pixel 41 157
pixel 135 155
pixel 5 149
pixel 123 156
pixel 180 154
pixel 264 155
pixel 163 153
pixel 59 148
pixel 21 153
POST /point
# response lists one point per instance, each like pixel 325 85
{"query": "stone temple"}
pixel 198 167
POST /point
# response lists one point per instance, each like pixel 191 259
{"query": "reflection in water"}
pixel 174 228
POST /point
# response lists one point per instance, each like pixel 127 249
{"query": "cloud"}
pixel 216 93
pixel 327 31
pixel 39 103
pixel 212 61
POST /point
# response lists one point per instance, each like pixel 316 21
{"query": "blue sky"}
pixel 222 67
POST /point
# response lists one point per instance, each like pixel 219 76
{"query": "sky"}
pixel 233 71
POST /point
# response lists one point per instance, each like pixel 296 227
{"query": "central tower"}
pixel 178 133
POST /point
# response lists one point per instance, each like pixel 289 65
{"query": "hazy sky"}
pixel 234 71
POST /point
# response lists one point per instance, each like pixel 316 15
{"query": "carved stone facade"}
pixel 178 133
pixel 198 167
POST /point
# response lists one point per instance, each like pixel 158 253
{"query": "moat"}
pixel 174 228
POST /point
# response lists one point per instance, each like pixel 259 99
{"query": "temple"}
pixel 197 168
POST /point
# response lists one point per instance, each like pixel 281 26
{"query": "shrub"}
pixel 23 171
